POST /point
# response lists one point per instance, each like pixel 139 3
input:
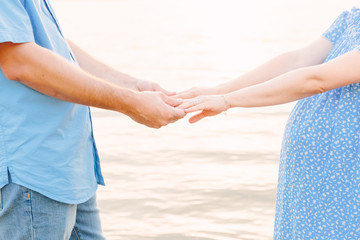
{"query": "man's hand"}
pixel 155 109
pixel 50 74
pixel 143 85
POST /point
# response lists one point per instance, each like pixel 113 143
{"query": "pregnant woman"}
pixel 318 195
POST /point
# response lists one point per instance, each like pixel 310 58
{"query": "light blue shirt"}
pixel 46 144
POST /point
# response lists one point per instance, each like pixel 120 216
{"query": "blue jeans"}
pixel 28 215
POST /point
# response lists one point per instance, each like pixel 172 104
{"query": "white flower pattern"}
pixel 319 175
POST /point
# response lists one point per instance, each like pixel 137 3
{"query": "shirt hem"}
pixel 52 196
pixel 16 37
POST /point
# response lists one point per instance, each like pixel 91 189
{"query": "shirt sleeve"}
pixel 337 28
pixel 15 24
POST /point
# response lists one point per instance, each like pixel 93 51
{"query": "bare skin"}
pixel 101 70
pixel 50 74
pixel 274 83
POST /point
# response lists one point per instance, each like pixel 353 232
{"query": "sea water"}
pixel 216 179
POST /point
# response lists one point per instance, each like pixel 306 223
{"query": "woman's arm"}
pixel 101 70
pixel 313 54
pixel 291 86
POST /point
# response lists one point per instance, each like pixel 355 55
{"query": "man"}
pixel 49 165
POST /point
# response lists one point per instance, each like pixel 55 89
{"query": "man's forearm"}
pixel 99 69
pixel 52 75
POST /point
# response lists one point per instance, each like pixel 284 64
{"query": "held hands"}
pixel 210 105
pixel 155 109
pixel 153 106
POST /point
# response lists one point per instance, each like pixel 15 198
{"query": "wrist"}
pixel 225 98
pixel 127 101
pixel 221 89
pixel 138 83
pixel 122 79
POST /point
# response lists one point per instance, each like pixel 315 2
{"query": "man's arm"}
pixel 99 69
pixel 54 76
pixel 313 54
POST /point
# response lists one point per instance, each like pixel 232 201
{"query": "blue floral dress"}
pixel 319 177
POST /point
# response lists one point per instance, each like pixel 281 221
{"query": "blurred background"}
pixel 215 180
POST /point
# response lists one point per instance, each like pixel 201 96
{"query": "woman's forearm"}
pixel 300 83
pixel 286 88
pixel 313 54
pixel 274 67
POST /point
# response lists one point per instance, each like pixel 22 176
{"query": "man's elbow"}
pixel 11 71
pixel 12 60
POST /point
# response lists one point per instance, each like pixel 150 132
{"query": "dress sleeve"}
pixel 337 28
pixel 15 24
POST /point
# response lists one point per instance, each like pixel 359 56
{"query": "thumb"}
pixel 179 113
pixel 158 88
pixel 197 117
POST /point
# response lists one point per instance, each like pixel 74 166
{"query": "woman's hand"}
pixel 196 91
pixel 210 105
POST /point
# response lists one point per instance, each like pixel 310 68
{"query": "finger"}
pixel 197 117
pixel 186 104
pixel 169 93
pixel 158 88
pixel 179 113
pixel 196 108
pixel 185 95
pixel 176 114
pixel 192 102
pixel 172 101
